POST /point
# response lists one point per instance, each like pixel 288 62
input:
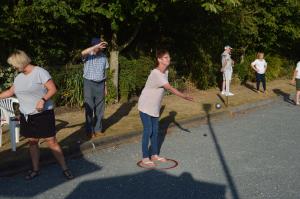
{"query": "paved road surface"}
pixel 255 155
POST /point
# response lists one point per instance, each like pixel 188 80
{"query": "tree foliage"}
pixel 53 32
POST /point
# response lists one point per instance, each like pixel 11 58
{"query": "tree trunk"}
pixel 114 66
pixel 114 55
pixel 242 58
pixel 114 62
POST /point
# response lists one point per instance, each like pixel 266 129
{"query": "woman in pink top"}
pixel 149 106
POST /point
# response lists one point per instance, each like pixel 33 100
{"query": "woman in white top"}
pixel 296 80
pixel 149 106
pixel 34 88
pixel 260 67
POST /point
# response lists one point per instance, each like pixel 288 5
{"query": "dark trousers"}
pixel 94 101
pixel 260 78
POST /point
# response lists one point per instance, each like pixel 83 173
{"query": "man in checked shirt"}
pixel 94 86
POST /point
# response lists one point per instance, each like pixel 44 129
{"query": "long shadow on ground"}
pixel 164 126
pixel 149 184
pixel 285 96
pixel 49 178
pixel 226 169
pixel 122 111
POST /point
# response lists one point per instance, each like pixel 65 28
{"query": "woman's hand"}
pixel 40 105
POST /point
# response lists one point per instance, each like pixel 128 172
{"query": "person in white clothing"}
pixel 149 105
pixel 260 67
pixel 227 64
pixel 296 80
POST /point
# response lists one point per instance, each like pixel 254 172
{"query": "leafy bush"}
pixel 69 82
pixel 7 76
pixel 133 75
pixel 244 70
pixel 177 82
pixel 203 71
pixel 111 89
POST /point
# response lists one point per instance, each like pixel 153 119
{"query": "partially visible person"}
pixel 149 105
pixel 94 86
pixel 227 64
pixel 260 67
pixel 296 80
pixel 34 87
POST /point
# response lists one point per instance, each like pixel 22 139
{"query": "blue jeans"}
pixel 150 131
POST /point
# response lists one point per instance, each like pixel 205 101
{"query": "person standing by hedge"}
pixel 34 88
pixel 227 64
pixel 260 67
pixel 149 106
pixel 94 86
pixel 296 80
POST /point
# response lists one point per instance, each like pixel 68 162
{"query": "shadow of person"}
pixel 69 145
pixel 147 185
pixel 164 125
pixel 235 195
pixel 122 111
pixel 250 86
pixel 284 95
pixel 222 99
pixel 51 177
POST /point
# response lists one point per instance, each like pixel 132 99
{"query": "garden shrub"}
pixel 203 71
pixel 7 76
pixel 133 75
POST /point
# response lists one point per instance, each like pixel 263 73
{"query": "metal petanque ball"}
pixel 218 106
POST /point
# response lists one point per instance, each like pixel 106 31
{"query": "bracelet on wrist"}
pixel 44 99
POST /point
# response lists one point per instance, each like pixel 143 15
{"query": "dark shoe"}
pixel 89 136
pixel 68 174
pixel 32 174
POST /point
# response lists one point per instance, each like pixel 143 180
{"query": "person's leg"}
pixel 57 152
pixel 228 75
pixel 298 97
pixel 154 137
pixel 154 141
pixel 89 106
pixel 257 81
pixel 223 84
pixel 147 131
pixel 34 153
pixel 59 156
pixel 99 106
pixel 263 79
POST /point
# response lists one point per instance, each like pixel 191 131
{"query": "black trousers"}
pixel 260 78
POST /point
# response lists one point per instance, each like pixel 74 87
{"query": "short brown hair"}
pixel 18 59
pixel 160 53
pixel 260 54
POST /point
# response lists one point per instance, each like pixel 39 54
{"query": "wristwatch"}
pixel 44 99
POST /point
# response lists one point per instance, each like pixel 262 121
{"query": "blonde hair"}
pixel 260 55
pixel 19 59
